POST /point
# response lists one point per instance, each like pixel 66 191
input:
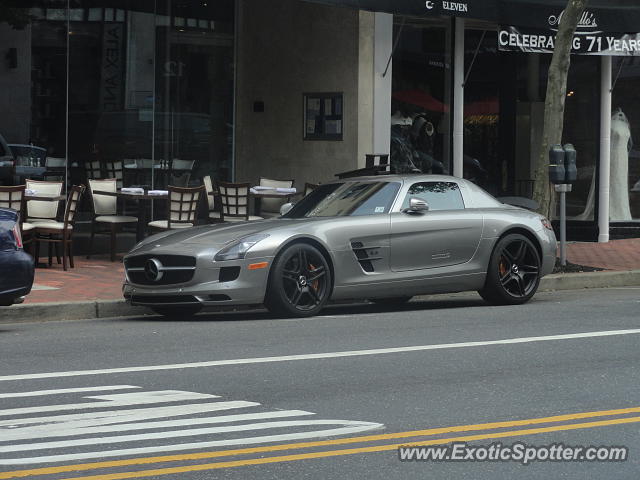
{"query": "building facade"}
pixel 298 89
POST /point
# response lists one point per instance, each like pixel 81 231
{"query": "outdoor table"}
pixel 260 194
pixel 141 199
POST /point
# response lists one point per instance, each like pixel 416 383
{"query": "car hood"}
pixel 215 235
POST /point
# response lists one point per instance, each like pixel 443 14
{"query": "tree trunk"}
pixel 554 104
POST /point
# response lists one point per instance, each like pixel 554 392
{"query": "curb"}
pixel 96 309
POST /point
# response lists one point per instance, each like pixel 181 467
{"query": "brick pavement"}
pixel 615 255
pixel 99 279
pixel 95 279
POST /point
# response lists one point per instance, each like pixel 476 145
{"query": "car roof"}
pixel 410 177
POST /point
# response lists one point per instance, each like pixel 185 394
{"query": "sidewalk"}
pixel 93 288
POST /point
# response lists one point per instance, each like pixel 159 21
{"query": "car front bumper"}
pixel 213 284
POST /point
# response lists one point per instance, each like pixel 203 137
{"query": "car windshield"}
pixel 347 200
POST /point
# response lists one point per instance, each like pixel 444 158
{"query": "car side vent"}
pixel 366 255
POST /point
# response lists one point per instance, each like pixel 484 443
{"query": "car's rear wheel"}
pixel 299 282
pixel 177 312
pixel 390 301
pixel 513 276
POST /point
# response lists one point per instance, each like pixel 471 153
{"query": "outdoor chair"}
pixel 213 215
pixel 115 170
pixel 182 208
pixel 55 169
pixel 234 201
pixel 42 211
pixel 13 197
pixel 93 170
pixel 270 207
pixel 105 214
pixel 60 233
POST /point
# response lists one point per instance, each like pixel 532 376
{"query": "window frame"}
pixel 405 195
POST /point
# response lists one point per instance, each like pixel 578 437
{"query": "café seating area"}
pixel 52 216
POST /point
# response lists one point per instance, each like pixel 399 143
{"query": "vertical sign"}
pixel 112 67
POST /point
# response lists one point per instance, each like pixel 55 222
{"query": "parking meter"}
pixel 562 173
pixel 556 165
pixel 570 169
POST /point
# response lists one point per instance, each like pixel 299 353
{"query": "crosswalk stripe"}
pixel 117 400
pixel 66 437
pixel 169 434
pixel 114 416
pixel 83 428
pixel 39 393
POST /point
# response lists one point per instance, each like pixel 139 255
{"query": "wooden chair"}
pixel 270 207
pixel 234 200
pixel 56 168
pixel 213 215
pixel 60 233
pixel 93 170
pixel 13 197
pixel 115 170
pixel 182 208
pixel 38 210
pixel 105 214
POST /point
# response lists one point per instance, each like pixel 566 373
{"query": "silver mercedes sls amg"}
pixel 383 238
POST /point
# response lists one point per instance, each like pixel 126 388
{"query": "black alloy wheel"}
pixel 514 272
pixel 299 282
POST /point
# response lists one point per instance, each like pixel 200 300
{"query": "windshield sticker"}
pixel 379 209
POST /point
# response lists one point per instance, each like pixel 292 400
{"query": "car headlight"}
pixel 238 250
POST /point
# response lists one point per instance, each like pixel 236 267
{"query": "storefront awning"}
pixel 480 9
pixel 610 15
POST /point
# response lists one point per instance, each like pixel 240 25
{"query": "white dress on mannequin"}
pixel 619 210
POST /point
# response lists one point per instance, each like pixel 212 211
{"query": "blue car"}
pixel 16 266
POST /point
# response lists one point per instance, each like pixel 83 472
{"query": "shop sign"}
pixel 589 38
pixel 112 67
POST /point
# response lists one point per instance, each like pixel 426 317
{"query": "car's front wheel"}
pixel 514 272
pixel 299 282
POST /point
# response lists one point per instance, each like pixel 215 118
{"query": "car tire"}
pixel 390 301
pixel 513 275
pixel 177 312
pixel 299 282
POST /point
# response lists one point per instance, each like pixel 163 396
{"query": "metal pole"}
pixel 605 150
pixel 458 98
pixel 563 228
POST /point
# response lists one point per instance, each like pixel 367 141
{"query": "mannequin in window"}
pixel 621 144
pixel 619 210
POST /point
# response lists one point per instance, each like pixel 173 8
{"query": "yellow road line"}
pixel 322 443
pixel 352 451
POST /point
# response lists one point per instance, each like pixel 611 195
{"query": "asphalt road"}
pixel 252 396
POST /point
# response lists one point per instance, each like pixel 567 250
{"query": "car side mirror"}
pixel 286 208
pixel 417 205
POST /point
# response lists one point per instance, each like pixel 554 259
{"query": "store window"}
pixel 421 93
pixel 624 199
pixel 483 162
pixel 150 87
